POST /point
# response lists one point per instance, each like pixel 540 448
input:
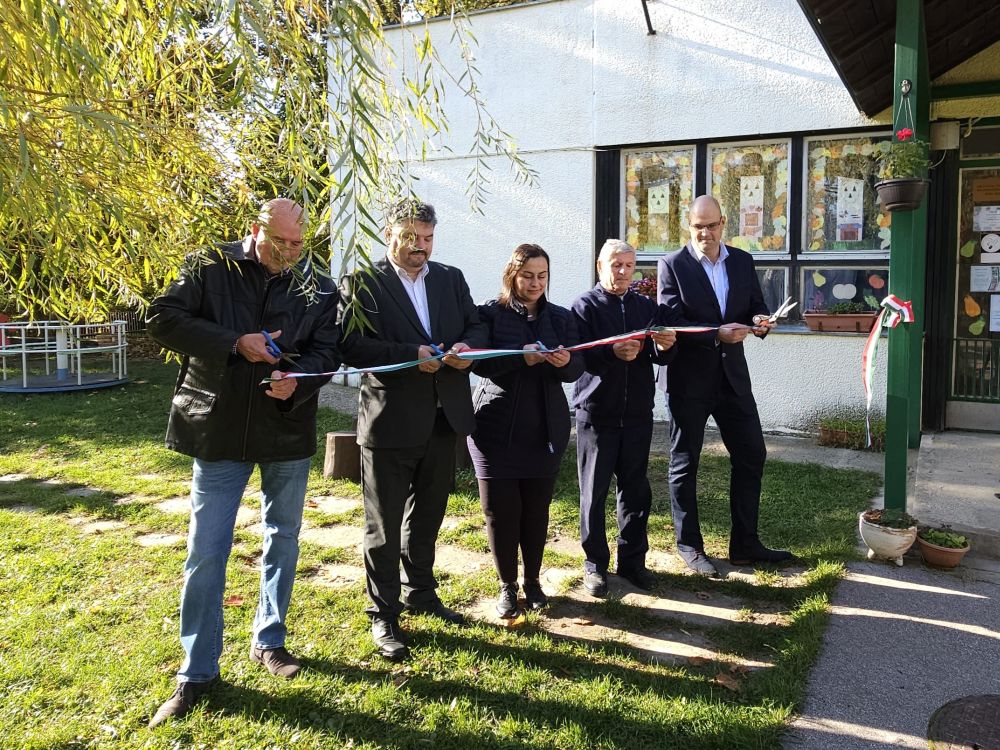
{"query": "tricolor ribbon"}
pixel 894 311
pixel 475 354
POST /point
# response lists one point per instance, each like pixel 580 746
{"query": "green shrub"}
pixel 891 518
pixel 846 308
pixel 943 537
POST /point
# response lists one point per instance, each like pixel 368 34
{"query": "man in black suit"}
pixel 408 419
pixel 707 283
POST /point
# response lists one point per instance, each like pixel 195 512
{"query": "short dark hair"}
pixel 410 209
pixel 522 254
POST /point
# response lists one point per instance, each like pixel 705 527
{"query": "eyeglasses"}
pixel 710 227
pixel 281 242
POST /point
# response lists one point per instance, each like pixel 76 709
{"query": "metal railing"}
pixel 51 355
pixel 975 370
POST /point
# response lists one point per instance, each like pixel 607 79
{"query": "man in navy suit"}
pixel 707 283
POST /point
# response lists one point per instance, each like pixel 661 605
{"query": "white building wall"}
pixel 565 77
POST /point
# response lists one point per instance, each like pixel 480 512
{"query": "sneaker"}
pixel 595 582
pixel 507 601
pixel 534 597
pixel 185 696
pixel 641 578
pixel 278 661
pixel 697 561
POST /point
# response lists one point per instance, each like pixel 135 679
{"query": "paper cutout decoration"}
pixel 845 291
pixel 850 208
pixel 752 206
pixel 658 199
pixel 818 278
pixel 875 281
pixel 977 326
pixel 968 249
pixel 972 308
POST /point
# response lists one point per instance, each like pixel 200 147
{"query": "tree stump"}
pixel 343 456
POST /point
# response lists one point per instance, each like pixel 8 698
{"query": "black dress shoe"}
pixel 697 561
pixel 438 610
pixel 507 601
pixel 641 578
pixel 760 555
pixel 390 639
pixel 595 582
pixel 534 597
pixel 185 696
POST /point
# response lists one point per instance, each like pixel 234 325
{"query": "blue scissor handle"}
pixel 271 347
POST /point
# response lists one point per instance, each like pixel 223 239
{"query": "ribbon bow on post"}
pixel 894 311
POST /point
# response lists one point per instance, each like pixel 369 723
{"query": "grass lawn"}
pixel 88 638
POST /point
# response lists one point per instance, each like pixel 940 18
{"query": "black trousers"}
pixel 622 452
pixel 405 496
pixel 517 515
pixel 739 427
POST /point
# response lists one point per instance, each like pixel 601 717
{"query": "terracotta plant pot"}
pixel 884 542
pixel 941 557
pixel 842 322
pixel 902 194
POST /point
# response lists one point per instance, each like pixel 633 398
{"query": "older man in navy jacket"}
pixel 711 284
pixel 614 417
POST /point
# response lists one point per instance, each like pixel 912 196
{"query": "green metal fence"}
pixel 976 373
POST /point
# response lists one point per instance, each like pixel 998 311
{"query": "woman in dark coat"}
pixel 522 421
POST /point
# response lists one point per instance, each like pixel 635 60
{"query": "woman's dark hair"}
pixel 521 255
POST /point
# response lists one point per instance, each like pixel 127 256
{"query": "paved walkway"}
pixel 902 642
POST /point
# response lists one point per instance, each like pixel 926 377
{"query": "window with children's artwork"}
pixel 750 181
pixel 842 211
pixel 644 280
pixel 659 185
pixel 860 289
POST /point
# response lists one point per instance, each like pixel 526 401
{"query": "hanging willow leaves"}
pixel 133 134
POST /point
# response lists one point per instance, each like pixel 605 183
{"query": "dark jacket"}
pixel 219 409
pixel 685 290
pixel 497 395
pixel 612 392
pixel 397 409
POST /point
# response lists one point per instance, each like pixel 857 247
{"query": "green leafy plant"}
pixel 846 308
pixel 903 157
pixel 943 537
pixel 891 518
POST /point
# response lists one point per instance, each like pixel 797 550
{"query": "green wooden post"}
pixel 906 271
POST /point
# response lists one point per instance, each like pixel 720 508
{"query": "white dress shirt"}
pixel 718 277
pixel 416 290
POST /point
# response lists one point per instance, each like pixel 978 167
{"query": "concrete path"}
pixel 901 643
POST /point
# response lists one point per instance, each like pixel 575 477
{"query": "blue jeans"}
pixel 216 491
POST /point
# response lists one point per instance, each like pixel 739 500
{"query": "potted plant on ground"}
pixel 902 171
pixel 853 317
pixel 942 548
pixel 889 533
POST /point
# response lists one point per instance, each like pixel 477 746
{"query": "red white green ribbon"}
pixel 475 354
pixel 894 311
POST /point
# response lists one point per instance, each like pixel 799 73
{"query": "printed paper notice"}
pixel 986 218
pixel 994 313
pixel 984 278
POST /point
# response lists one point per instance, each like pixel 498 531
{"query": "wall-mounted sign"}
pixel 986 190
pixel 986 219
pixel 984 278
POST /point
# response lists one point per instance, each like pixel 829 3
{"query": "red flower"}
pixel 904 134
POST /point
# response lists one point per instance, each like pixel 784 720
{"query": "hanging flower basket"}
pixel 901 194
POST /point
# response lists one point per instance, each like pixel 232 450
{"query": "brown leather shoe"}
pixel 182 701
pixel 278 661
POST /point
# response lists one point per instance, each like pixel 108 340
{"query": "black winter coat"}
pixel 499 392
pixel 612 392
pixel 219 409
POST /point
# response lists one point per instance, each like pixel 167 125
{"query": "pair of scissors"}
pixel 274 351
pixel 782 311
